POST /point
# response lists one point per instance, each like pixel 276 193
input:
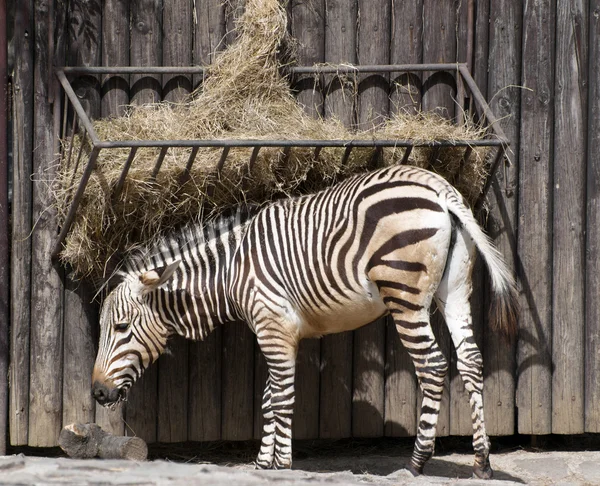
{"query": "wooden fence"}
pixel 534 61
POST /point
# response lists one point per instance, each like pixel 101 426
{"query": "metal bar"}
pixel 480 100
pixel 296 143
pixel 73 129
pixel 75 203
pixel 434 155
pixel 158 164
pixel 466 156
pixel 317 152
pixel 191 158
pixel 253 158
pixel 123 176
pixel 406 155
pixel 317 69
pixel 65 115
pixel 85 120
pixel 346 154
pixel 488 182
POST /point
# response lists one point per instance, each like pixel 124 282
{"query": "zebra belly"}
pixel 349 314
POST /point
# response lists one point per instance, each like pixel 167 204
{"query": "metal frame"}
pixel 465 84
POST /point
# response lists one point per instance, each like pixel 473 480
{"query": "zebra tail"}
pixel 504 308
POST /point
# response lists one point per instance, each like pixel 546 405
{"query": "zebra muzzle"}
pixel 106 396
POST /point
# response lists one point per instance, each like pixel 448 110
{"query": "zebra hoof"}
pixel 415 471
pixel 483 472
pixel 262 465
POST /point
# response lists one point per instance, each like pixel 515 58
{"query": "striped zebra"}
pixel 386 242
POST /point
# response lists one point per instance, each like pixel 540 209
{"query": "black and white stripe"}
pixel 389 241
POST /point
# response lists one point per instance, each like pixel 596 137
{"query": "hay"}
pixel 244 96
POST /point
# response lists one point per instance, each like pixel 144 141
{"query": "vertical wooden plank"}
pixel 568 306
pixel 145 50
pixel 237 382
pixel 534 354
pixel 80 324
pixel 115 52
pixel 23 102
pixel 80 315
pixel 115 97
pixel 592 286
pixel 505 70
pixel 335 407
pixel 4 232
pixel 45 393
pixel 173 369
pixel 460 409
pixel 439 45
pixel 308 28
pixel 204 417
pixel 401 388
pixel 205 414
pixel 368 397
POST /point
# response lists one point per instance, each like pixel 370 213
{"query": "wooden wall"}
pixel 534 61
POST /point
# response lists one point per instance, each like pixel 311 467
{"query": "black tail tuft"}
pixel 504 313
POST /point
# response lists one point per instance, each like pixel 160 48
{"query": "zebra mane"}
pixel 192 234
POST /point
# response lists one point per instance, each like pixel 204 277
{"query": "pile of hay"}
pixel 244 96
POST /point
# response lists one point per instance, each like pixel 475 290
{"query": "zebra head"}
pixel 132 334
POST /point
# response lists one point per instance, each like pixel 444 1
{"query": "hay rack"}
pixel 469 97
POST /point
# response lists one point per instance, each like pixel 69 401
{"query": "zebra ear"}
pixel 153 279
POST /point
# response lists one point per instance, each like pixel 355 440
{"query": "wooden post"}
pixel 534 357
pixel 439 45
pixel 173 369
pixel 4 225
pixel 115 90
pixel 568 229
pixel 80 314
pixel 592 329
pixel 21 222
pixel 499 356
pixel 308 28
pixel 45 393
pixel 145 50
pixel 335 408
pixel 368 398
pixel 205 357
pixel 401 388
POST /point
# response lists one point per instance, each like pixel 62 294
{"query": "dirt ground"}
pixel 348 462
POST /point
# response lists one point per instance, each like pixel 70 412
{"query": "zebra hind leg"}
pixel 278 402
pixel 452 298
pixel 431 368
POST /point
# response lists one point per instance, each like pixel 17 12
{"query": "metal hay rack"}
pixel 469 97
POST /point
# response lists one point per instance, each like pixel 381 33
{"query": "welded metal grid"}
pixel 468 95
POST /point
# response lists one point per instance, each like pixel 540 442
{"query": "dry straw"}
pixel 243 96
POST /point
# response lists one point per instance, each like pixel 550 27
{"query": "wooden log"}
pixel 568 229
pixel 23 102
pixel 401 388
pixel 80 314
pixel 439 45
pixel 145 50
pixel 592 285
pixel 237 382
pixel 173 369
pixel 534 357
pixel 335 408
pixel 308 28
pixel 85 441
pixel 368 397
pixel 115 97
pixel 45 392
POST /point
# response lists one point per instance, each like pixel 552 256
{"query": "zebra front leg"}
pixel 278 400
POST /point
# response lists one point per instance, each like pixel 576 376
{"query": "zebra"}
pixel 388 241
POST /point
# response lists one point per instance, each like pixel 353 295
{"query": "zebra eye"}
pixel 121 326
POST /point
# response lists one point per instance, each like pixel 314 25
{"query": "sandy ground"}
pixel 331 466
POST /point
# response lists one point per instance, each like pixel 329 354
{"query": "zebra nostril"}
pixel 100 392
